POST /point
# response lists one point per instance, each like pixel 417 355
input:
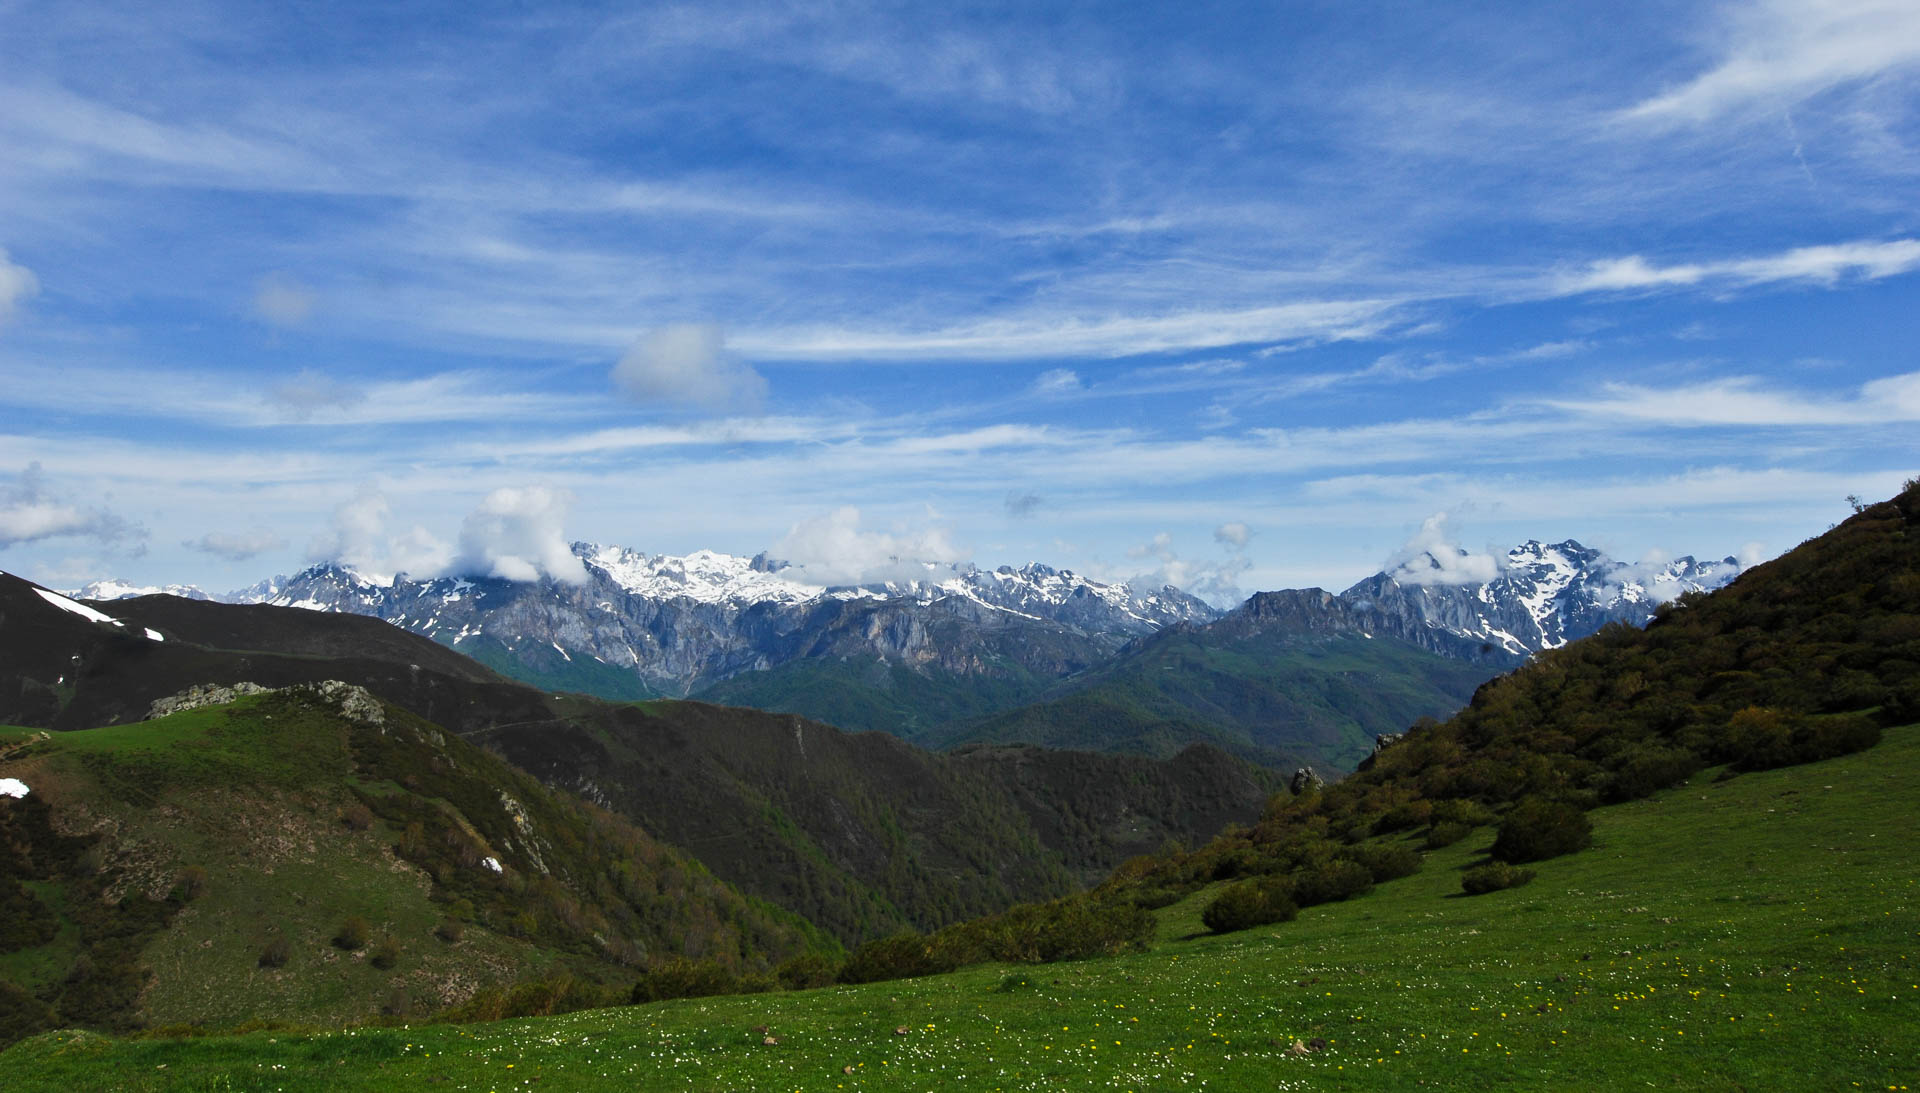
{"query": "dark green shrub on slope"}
pixel 1492 877
pixel 1537 829
pixel 1250 903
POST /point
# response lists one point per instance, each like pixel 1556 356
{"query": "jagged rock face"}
pixel 1318 613
pixel 1544 597
pixel 683 623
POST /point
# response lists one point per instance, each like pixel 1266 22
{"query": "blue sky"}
pixel 1241 296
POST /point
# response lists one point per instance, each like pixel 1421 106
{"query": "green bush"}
pixel 1384 862
pixel 1076 928
pixel 1538 828
pixel 386 954
pixel 807 971
pixel 192 882
pixel 1643 770
pixel 1402 817
pixel 1152 899
pixel 353 933
pixel 1459 810
pixel 275 952
pixel 1250 903
pixel 1330 881
pixel 1762 739
pixel 1446 833
pixel 683 978
pixel 1492 877
pixel 25 922
pixel 536 998
pixel 21 1014
pixel 902 956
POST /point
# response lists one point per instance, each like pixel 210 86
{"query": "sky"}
pixel 1231 296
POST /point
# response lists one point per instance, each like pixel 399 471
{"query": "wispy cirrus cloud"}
pixel 1774 53
pixel 1825 264
pixel 1748 401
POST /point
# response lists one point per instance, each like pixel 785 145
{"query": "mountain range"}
pixel 958 653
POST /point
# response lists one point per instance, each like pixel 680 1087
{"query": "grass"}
pixel 252 793
pixel 1757 933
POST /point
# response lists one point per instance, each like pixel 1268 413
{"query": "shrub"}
pixel 1152 899
pixel 1462 811
pixel 1538 828
pixel 192 882
pixel 1073 929
pixel 275 952
pixel 22 1015
pixel 24 921
pixel 807 971
pixel 1762 739
pixel 1403 816
pixel 1250 903
pixel 357 816
pixel 901 956
pixel 450 930
pixel 386 954
pixel 536 998
pixel 353 933
pixel 1446 834
pixel 399 1002
pixel 1384 862
pixel 1642 770
pixel 1492 877
pixel 1330 882
pixel 683 978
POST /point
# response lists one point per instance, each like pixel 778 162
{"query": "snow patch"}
pixel 12 787
pixel 82 610
pixel 493 864
pixel 153 635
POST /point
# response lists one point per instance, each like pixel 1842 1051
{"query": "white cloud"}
pixel 1779 52
pixel 1742 401
pixel 30 512
pixel 516 533
pixel 1432 556
pixel 17 283
pixel 1824 264
pixel 833 549
pixel 359 540
pixel 1233 535
pixel 687 363
pixel 236 546
pixel 1096 336
pixel 282 301
pixel 1216 582
pixel 1058 381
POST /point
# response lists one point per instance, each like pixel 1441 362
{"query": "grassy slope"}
pixel 1266 697
pixel 1757 933
pixel 253 794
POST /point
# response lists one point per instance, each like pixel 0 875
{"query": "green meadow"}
pixel 1757 933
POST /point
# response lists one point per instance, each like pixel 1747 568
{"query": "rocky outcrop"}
pixel 353 701
pixel 203 694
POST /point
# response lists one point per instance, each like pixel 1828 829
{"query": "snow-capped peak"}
pixel 114 588
pixel 705 576
pixel 1543 594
